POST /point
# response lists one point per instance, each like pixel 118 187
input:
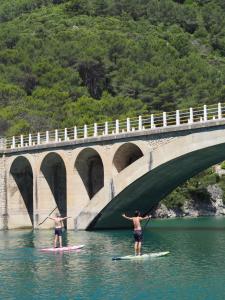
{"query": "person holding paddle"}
pixel 58 229
pixel 138 234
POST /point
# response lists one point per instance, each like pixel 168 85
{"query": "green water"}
pixel 195 269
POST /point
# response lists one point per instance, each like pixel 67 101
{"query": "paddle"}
pixel 146 224
pixel 47 216
pixel 149 218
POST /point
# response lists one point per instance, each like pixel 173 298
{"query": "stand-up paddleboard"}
pixel 139 257
pixel 68 248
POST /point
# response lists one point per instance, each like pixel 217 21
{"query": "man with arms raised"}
pixel 138 234
pixel 58 229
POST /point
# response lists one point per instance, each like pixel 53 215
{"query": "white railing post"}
pixel 13 142
pixel 164 119
pixel 128 124
pixel 38 138
pixel 95 129
pixel 106 128
pixel 205 113
pixel 85 131
pixel 177 117
pixel 152 121
pixel 117 126
pixel 191 115
pixel 56 135
pixel 47 137
pixel 65 134
pixel 21 140
pixel 30 139
pixel 219 111
pixel 140 123
pixel 4 143
pixel 75 132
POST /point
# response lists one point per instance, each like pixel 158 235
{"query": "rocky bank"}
pixel 195 208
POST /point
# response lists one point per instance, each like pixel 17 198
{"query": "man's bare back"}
pixel 138 234
pixel 58 229
pixel 58 222
pixel 137 223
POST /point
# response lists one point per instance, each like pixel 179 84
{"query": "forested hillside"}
pixel 69 62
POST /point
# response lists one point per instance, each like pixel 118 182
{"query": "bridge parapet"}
pixel 117 127
pixel 164 120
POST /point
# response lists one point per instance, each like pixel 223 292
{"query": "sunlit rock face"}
pixel 195 207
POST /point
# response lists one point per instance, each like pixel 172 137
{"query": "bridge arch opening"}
pixel 21 192
pixel 54 172
pixel 146 190
pixel 89 166
pixel 125 156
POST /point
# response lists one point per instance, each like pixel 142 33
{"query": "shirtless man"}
pixel 58 229
pixel 138 235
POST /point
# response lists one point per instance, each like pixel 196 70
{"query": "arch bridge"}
pixel 96 173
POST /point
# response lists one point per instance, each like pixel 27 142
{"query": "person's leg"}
pixel 136 248
pixel 55 240
pixel 60 241
pixel 139 248
pixel 60 237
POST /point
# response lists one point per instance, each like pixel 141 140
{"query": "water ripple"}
pixel 195 269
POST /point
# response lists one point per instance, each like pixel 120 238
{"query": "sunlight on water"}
pixel 195 269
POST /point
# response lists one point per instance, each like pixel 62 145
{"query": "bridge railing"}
pixel 140 123
pixel 2 143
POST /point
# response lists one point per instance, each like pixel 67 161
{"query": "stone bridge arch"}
pixel 52 186
pixel 20 204
pixel 125 155
pixel 89 166
pixel 145 182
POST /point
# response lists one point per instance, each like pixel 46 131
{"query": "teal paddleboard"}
pixel 140 257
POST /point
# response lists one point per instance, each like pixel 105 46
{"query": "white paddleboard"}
pixel 68 248
pixel 139 257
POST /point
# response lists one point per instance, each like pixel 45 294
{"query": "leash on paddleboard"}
pixel 47 216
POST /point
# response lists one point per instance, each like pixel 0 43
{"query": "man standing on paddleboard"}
pixel 58 229
pixel 138 234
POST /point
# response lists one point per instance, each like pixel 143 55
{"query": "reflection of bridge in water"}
pixel 95 173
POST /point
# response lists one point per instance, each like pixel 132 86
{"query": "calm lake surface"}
pixel 195 269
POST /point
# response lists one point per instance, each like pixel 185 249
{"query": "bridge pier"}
pixel 35 200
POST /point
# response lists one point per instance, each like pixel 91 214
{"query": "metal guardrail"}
pixel 146 122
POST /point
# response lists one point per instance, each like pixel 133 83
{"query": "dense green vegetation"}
pixel 195 189
pixel 70 62
pixel 66 62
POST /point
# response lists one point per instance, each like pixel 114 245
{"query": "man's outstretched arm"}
pixel 65 218
pixel 128 218
pixel 146 217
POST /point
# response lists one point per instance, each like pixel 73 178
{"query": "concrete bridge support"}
pixel 20 193
pixel 51 187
